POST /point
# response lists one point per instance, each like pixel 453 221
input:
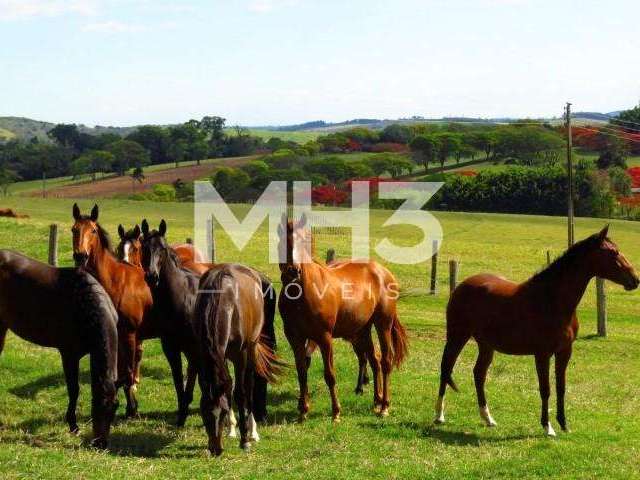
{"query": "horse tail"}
pixel 400 341
pixel 267 364
pixel 268 335
pixel 99 320
pixel 213 372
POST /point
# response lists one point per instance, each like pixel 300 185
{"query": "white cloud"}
pixel 20 9
pixel 112 26
pixel 266 6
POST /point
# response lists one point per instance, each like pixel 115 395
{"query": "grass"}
pixel 602 398
pixel 298 137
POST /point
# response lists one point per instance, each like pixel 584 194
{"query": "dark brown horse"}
pixel 228 320
pixel 320 303
pixel 130 250
pixel 537 317
pixel 66 309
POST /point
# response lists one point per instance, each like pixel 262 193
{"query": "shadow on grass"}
pixel 31 389
pixel 146 444
pixel 437 433
pixel 591 336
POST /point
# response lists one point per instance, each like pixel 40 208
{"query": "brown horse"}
pixel 66 309
pixel 228 320
pixel 127 288
pixel 320 303
pixel 537 317
pixel 130 250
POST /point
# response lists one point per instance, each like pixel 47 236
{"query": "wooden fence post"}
pixel 211 239
pixel 53 245
pixel 331 255
pixel 602 307
pixel 189 241
pixel 434 268
pixel 453 275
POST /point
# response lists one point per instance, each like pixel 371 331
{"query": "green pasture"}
pixel 602 396
pixel 302 136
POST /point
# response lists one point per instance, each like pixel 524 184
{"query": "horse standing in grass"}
pixel 66 309
pixel 228 319
pixel 128 290
pixel 130 250
pixel 320 303
pixel 537 317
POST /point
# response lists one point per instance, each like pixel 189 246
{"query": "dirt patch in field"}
pixel 118 186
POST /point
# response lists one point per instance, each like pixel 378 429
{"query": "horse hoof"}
pixel 336 419
pixel 377 408
pixel 549 431
pixel 439 420
pixel 384 412
pixel 254 437
pixel 302 417
pixel 233 432
pixel 246 446
pixel 74 430
pixel 359 391
pixel 99 443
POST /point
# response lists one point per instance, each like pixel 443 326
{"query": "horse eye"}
pixel 94 231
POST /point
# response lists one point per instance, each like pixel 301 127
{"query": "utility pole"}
pixel 570 222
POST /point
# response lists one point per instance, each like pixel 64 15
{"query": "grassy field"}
pixel 299 137
pixel 602 400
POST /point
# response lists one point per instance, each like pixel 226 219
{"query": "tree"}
pixel 425 149
pixel 155 140
pixel 127 154
pixel 333 168
pixel 93 162
pixel 137 176
pixel 230 183
pixel 7 178
pixel 483 141
pixel 396 133
pixel 613 152
pixel 177 152
pixel 449 144
pixel 380 163
pixel 66 135
pixel 628 119
pixel 214 129
pixel 398 164
pixel 192 140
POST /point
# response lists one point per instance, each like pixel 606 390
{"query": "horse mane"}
pixel 105 239
pixel 565 261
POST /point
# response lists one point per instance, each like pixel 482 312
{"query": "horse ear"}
pixel 603 233
pixel 76 212
pixel 163 228
pixel 145 227
pixel 136 231
pixel 121 231
pixel 94 213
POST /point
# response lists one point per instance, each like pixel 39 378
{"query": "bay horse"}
pixel 130 250
pixel 537 317
pixel 320 303
pixel 66 309
pixel 228 319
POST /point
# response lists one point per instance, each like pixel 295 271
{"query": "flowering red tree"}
pixel 328 195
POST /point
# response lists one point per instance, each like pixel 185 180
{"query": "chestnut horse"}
pixel 125 285
pixel 320 303
pixel 66 309
pixel 537 317
pixel 130 250
pixel 228 320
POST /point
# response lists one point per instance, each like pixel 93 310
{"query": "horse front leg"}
pixel 542 368
pixel 300 355
pixel 173 355
pixel 71 367
pixel 562 361
pixel 326 347
pixel 130 345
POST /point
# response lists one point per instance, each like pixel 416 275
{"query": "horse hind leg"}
pixel 452 349
pixel 360 348
pixel 71 366
pixel 485 357
pixel 384 336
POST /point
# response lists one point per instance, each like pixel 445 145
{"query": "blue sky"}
pixel 257 62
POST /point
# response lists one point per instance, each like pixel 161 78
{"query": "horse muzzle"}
pixel 152 279
pixel 632 283
pixel 80 259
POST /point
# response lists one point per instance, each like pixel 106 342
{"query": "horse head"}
pixel 607 261
pixel 155 251
pixel 130 246
pixel 88 235
pixel 295 246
